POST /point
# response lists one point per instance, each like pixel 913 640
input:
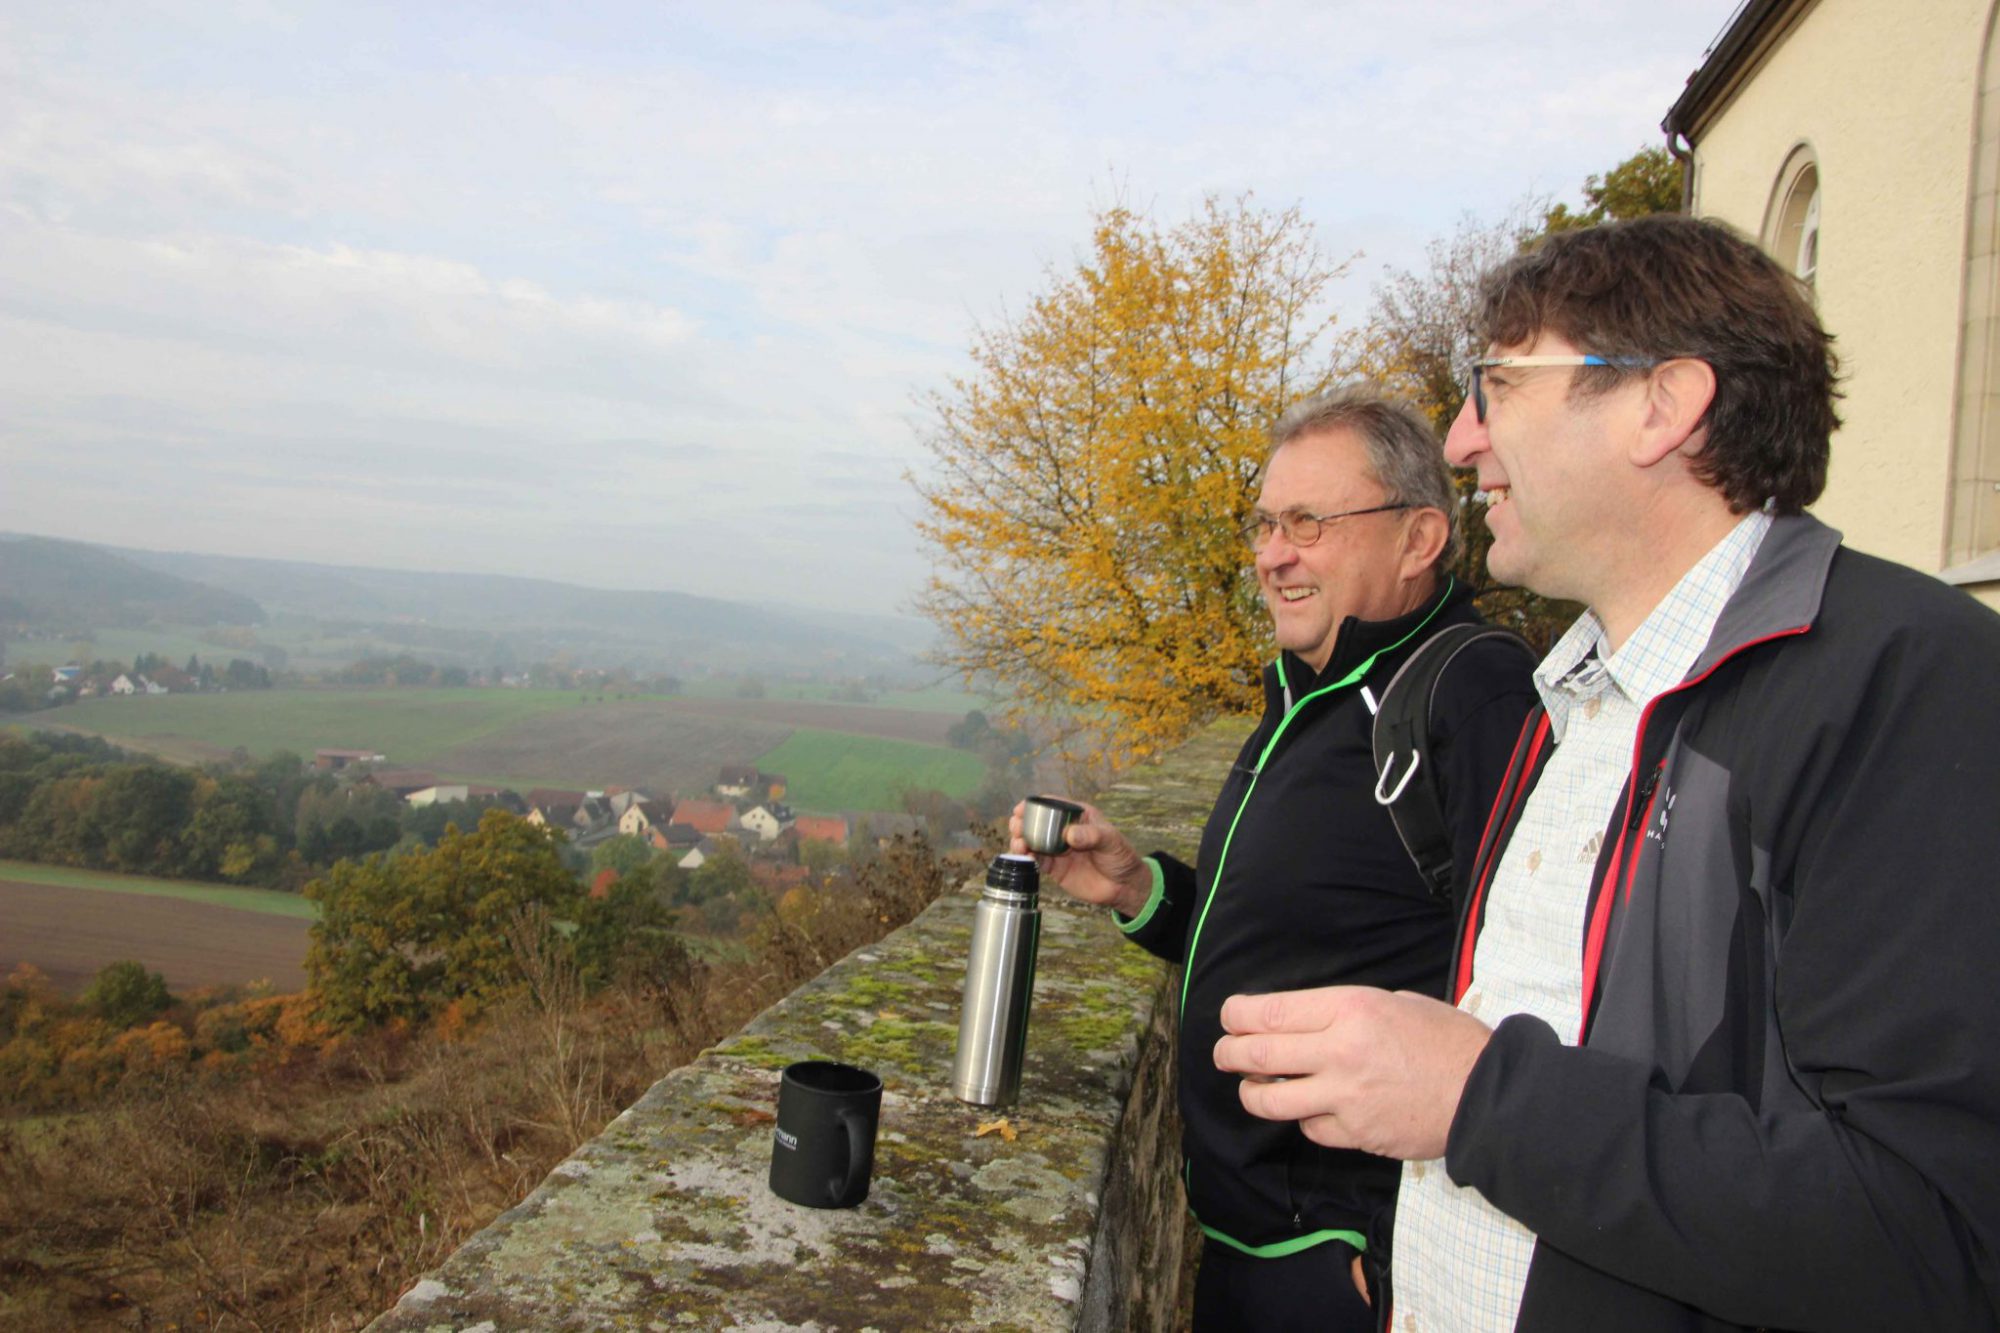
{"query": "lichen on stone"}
pixel 666 1220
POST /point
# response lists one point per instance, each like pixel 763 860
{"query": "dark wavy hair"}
pixel 1668 286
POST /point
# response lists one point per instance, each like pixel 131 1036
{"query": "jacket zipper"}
pixel 1631 835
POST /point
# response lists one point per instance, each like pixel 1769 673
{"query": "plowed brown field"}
pixel 71 933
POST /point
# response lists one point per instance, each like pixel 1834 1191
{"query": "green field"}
pixel 409 726
pixel 834 770
pixel 218 895
pixel 552 738
pixel 932 699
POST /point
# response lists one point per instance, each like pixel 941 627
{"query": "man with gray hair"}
pixel 1302 879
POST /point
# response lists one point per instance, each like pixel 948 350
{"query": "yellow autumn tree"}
pixel 1093 469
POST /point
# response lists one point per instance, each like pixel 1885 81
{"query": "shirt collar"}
pixel 1667 643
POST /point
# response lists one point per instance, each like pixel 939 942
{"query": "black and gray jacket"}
pixel 1304 882
pixel 1785 1111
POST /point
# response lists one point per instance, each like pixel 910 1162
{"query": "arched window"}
pixel 1791 225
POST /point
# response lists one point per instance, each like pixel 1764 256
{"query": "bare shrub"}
pixel 307 1180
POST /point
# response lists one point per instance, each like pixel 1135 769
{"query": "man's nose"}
pixel 1466 439
pixel 1276 552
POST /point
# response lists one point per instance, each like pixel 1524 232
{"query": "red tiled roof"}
pixel 823 828
pixel 707 816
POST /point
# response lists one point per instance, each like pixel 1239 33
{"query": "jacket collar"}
pixel 1360 639
pixel 1780 594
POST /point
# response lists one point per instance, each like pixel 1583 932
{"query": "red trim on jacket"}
pixel 1476 901
pixel 1632 836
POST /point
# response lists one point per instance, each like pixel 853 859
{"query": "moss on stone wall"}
pixel 1063 1213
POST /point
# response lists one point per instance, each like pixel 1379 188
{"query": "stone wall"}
pixel 1064 1213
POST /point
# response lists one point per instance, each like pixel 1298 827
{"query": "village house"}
pixel 699 854
pixel 553 807
pixel 587 838
pixel 821 828
pixel 768 820
pixel 706 816
pixel 640 816
pixel 333 761
pixel 737 781
pixel 672 837
pixel 594 812
pixel 636 812
pixel 401 781
pixel 174 680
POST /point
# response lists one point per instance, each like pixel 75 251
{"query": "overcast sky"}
pixel 641 295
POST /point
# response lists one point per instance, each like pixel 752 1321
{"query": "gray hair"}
pixel 1403 452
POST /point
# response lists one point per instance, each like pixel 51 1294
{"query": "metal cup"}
pixel 1043 822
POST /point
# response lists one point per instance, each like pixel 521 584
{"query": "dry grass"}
pixel 309 1193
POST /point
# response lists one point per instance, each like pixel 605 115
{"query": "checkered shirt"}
pixel 1461 1263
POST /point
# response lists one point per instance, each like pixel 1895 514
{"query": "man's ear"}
pixel 1423 539
pixel 1678 394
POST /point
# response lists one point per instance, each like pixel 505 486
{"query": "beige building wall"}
pixel 1884 94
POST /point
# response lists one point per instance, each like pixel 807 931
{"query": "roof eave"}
pixel 1752 33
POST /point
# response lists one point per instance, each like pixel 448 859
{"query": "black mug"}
pixel 823 1149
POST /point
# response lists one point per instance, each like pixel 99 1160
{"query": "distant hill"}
pixel 58 586
pixel 476 619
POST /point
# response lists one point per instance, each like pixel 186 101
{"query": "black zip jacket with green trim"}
pixel 1316 889
pixel 1785 1111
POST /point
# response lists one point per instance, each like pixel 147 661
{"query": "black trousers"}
pixel 1313 1289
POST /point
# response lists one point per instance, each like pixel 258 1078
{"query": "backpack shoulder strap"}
pixel 1407 781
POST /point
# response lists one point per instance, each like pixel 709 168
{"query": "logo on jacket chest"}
pixel 1656 827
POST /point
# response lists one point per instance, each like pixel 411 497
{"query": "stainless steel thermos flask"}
pixel 999 981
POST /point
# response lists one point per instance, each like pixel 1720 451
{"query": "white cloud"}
pixel 526 291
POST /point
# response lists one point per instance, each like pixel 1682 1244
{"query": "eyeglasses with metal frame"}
pixel 1301 528
pixel 1486 363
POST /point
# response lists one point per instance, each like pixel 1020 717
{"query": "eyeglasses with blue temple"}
pixel 1486 363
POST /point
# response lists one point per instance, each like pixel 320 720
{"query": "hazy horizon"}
pixel 384 568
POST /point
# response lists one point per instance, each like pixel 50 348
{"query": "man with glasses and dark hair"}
pixel 1722 1050
pixel 1302 878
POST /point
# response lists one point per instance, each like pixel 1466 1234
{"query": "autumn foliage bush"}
pixel 248 1160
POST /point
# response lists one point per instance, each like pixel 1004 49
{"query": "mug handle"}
pixel 857 1158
